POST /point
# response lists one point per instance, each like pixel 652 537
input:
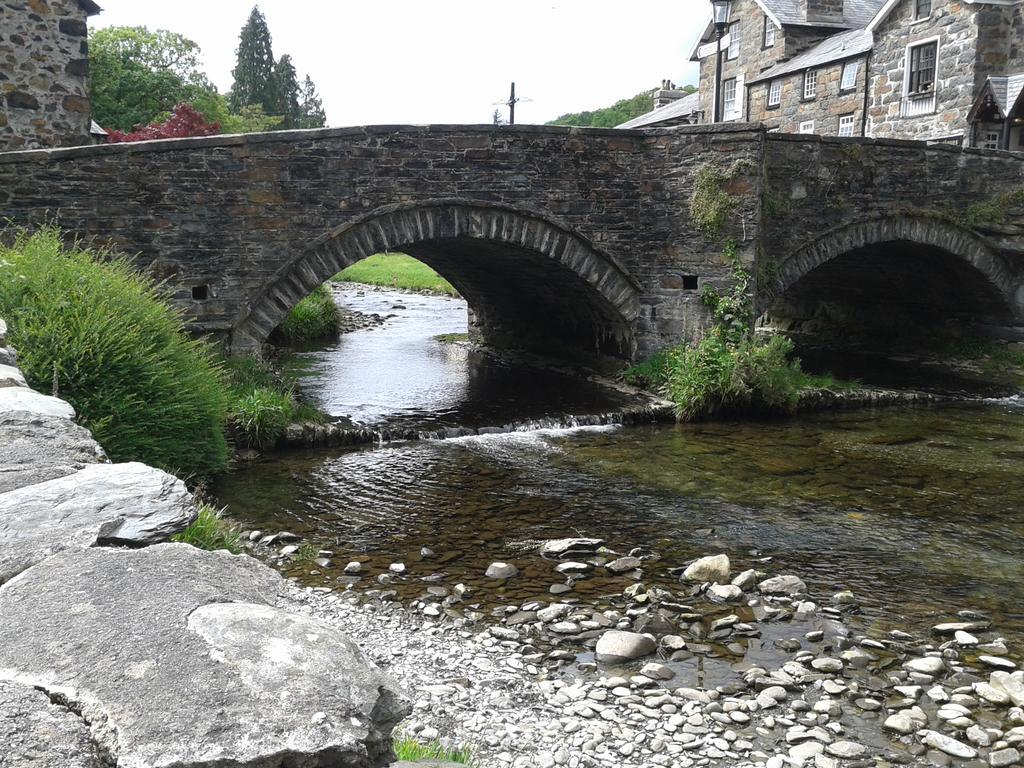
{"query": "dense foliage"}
pixel 618 113
pixel 272 85
pixel 139 76
pixel 184 121
pixel 729 370
pixel 315 317
pixel 96 331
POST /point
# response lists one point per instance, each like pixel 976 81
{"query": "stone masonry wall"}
pixel 955 24
pixel 753 58
pixel 820 187
pixel 825 109
pixel 44 70
pixel 233 215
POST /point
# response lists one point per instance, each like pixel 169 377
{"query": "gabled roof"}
pixel 683 107
pixel 854 42
pixel 1006 93
pixel 887 7
pixel 90 8
pixel 857 14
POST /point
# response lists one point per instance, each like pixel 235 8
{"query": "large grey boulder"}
pixel 130 504
pixel 25 399
pixel 179 657
pixel 35 733
pixel 38 448
pixel 10 376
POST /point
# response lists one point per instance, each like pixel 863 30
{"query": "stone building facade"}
pixel 44 73
pixel 948 71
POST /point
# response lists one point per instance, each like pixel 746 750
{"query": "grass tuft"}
pixel 91 328
pixel 211 532
pixel 396 270
pixel 315 317
pixel 262 403
pixel 409 749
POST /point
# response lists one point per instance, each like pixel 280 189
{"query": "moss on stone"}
pixel 710 204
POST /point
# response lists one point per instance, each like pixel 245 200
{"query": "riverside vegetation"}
pixel 97 332
pixel 730 370
pixel 396 270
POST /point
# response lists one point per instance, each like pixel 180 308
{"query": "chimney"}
pixel 824 11
pixel 666 94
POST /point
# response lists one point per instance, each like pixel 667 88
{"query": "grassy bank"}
pixel 93 330
pixel 413 751
pixel 396 270
pixel 315 317
pixel 90 328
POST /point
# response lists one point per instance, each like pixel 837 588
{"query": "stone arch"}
pixel 965 246
pixel 451 236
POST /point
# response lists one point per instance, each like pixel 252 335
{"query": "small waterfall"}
pixel 342 434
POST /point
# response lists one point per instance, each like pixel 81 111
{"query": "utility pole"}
pixel 511 104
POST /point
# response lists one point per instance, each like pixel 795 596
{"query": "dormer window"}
pixel 922 9
pixel 769 32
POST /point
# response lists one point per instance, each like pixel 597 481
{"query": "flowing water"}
pixel 920 511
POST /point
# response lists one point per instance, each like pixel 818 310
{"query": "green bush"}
pixel 93 328
pixel 209 531
pixel 751 376
pixel 315 317
pixel 262 415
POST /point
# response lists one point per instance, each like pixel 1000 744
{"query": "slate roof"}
pixel 90 8
pixel 844 45
pixel 856 13
pixel 687 105
pixel 1006 91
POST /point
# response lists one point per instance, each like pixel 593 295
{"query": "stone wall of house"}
pixel 956 25
pixel 825 109
pixel 753 57
pixel 44 72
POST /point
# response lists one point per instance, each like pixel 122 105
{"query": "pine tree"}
pixel 310 106
pixel 287 85
pixel 254 71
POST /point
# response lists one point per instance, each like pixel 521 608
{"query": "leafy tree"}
pixel 184 121
pixel 616 114
pixel 287 86
pixel 250 119
pixel 254 81
pixel 311 108
pixel 138 75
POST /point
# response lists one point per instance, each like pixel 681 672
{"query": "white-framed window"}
pixel 807 126
pixel 729 105
pixel 769 32
pixel 810 83
pixel 921 64
pixel 991 140
pixel 734 41
pixel 774 93
pixel 922 9
pixel 846 125
pixel 849 80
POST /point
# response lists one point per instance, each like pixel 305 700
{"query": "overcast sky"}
pixel 446 61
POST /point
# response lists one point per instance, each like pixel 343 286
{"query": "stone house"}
pixel 935 70
pixel 44 73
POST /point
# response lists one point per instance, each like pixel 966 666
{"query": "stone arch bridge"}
pixel 574 241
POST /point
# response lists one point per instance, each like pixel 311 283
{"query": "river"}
pixel 919 511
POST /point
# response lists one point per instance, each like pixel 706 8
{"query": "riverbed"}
pixel 919 511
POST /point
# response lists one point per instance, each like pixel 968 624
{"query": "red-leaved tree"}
pixel 184 121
